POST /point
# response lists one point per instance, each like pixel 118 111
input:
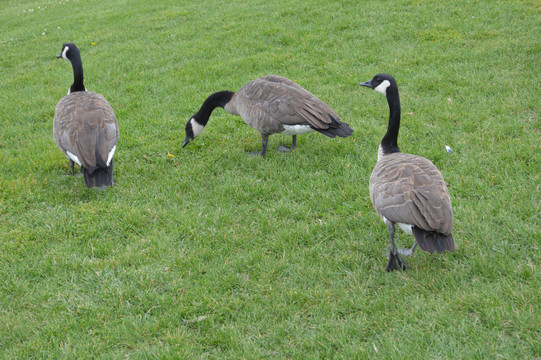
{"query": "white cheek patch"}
pixel 197 128
pixel 110 156
pixel 73 157
pixel 296 129
pixel 382 88
pixel 64 52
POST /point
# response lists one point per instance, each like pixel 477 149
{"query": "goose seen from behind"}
pixel 85 127
pixel 272 105
pixel 408 190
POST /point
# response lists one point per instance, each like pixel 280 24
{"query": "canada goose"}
pixel 408 190
pixel 85 127
pixel 272 104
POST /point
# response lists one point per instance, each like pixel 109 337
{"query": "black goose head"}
pixel 192 125
pixel 69 52
pixel 199 120
pixel 382 83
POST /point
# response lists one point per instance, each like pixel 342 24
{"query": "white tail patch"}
pixel 382 88
pixel 407 228
pixel 73 157
pixel 296 129
pixel 110 156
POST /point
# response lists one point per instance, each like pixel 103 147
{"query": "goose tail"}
pixel 336 128
pixel 433 241
pixel 98 177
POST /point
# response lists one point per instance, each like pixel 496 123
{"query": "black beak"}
pixel 186 141
pixel 58 56
pixel 367 84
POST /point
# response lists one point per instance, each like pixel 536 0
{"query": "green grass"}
pixel 217 254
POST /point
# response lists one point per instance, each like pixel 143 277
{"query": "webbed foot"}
pixel 396 262
pixel 283 148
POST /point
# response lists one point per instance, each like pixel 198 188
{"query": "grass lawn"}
pixel 208 252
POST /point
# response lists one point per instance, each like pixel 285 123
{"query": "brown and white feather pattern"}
pixel 270 102
pixel 85 126
pixel 409 189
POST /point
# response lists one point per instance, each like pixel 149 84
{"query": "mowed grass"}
pixel 208 252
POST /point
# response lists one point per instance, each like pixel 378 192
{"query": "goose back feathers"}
pixel 273 104
pixel 85 127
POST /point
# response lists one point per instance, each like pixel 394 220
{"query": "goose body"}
pixel 272 105
pixel 408 190
pixel 85 127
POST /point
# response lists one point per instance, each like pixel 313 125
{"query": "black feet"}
pixel 396 262
pixel 283 148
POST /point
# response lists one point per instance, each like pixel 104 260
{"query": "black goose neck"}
pixel 389 143
pixel 78 78
pixel 220 98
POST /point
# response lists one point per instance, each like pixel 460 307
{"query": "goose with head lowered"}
pixel 272 105
pixel 85 127
pixel 408 190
